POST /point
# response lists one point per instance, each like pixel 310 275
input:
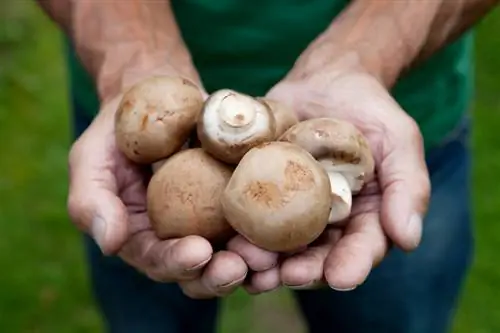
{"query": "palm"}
pixel 131 181
pixel 120 183
pixel 383 207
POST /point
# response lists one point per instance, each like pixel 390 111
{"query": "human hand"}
pixel 389 209
pixel 107 199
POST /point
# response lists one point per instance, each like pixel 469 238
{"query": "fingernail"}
pixel 98 231
pixel 232 283
pixel 343 289
pixel 200 265
pixel 302 286
pixel 414 229
pixel 256 292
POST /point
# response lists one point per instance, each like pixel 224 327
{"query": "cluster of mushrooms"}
pixel 250 167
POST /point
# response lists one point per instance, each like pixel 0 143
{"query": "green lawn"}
pixel 44 287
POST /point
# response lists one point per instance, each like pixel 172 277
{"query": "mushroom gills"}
pixel 353 174
pixel 341 198
pixel 237 119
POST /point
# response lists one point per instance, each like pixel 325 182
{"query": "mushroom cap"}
pixel 278 197
pixel 183 196
pixel 283 115
pixel 155 117
pixel 231 123
pixel 338 145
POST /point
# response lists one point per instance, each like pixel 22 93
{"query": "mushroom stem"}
pixel 235 113
pixel 344 154
pixel 341 197
pixel 353 174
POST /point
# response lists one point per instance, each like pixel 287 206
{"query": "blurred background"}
pixel 43 280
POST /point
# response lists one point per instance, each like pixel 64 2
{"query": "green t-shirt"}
pixel 249 46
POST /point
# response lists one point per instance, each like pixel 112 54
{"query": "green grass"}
pixel 44 286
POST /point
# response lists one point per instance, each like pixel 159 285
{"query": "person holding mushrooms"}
pixel 400 72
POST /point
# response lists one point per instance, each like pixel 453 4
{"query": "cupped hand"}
pixel 107 199
pixel 389 210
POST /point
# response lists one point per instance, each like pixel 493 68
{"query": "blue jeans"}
pixel 407 293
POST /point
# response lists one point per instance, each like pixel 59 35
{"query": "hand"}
pixel 390 208
pixel 107 199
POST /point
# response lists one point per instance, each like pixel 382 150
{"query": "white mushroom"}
pixel 231 123
pixel 343 152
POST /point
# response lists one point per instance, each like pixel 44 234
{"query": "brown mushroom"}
pixel 231 123
pixel 156 117
pixel 283 115
pixel 183 196
pixel 343 152
pixel 278 197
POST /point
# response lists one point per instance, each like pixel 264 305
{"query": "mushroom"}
pixel 343 152
pixel 192 142
pixel 278 197
pixel 155 118
pixel 283 115
pixel 183 196
pixel 231 123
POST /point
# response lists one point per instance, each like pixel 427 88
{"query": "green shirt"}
pixel 249 46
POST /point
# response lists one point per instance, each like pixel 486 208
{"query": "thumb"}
pixel 405 184
pixel 92 201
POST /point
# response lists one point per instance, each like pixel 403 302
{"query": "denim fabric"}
pixel 407 293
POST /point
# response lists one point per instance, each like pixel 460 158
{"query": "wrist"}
pixel 129 67
pixel 381 38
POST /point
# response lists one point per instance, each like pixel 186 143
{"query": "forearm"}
pixel 120 42
pixel 386 37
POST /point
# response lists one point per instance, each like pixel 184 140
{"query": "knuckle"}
pixel 143 269
pixel 73 206
pixel 138 251
pixel 145 251
pixel 192 292
pixel 153 256
pixel 75 153
pixel 412 130
pixel 188 292
pixel 406 131
pixel 74 203
pixel 423 193
pixel 158 277
pixel 76 211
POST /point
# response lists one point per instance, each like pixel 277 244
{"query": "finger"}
pixel 92 201
pixel 225 272
pixel 260 282
pixel 405 184
pixel 305 269
pixel 168 260
pixel 256 258
pixel 361 247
